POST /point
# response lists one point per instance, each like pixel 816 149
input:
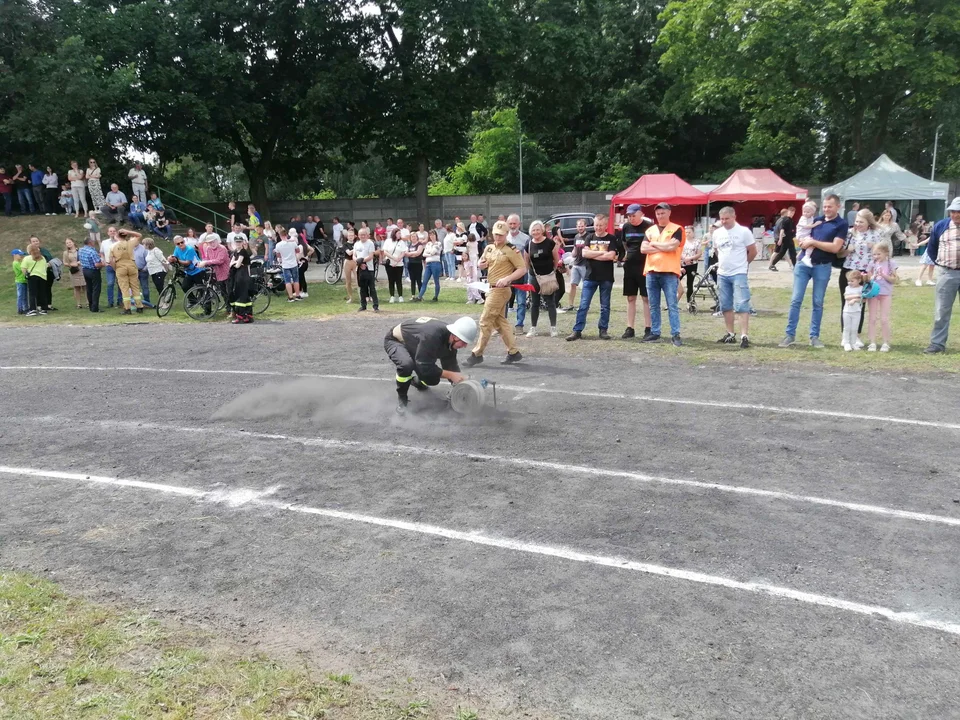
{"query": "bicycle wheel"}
pixel 261 301
pixel 334 271
pixel 200 302
pixel 167 297
pixel 221 300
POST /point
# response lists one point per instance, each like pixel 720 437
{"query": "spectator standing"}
pixel 157 265
pixel 578 265
pixel 927 265
pixel 114 208
pixel 890 232
pixel 349 264
pixel 138 180
pixel 663 247
pixel 440 230
pixel 784 238
pixel 857 254
pixel 253 225
pixel 504 266
pixel 303 263
pixel 736 249
pixel 214 255
pixel 394 251
pixel 601 253
pixel 6 190
pixel 415 266
pixel 543 257
pixel 379 233
pixel 690 258
pixel 944 249
pixel 269 236
pixel 233 237
pixel 852 215
pixel 471 267
pixel 827 237
pixel 241 303
pixel 885 275
pixel 34 268
pixel 36 187
pixel 311 227
pixel 449 257
pixel 90 263
pixel 93 184
pixel 631 237
pixel 365 253
pixel 289 253
pixel 51 191
pixel 235 216
pixel 520 241
pixel 21 183
pixel 125 268
pixel 140 253
pixel 337 230
pixel 106 247
pixel 431 264
pixel 71 261
pixel 888 207
pixel 20 282
pixel 78 188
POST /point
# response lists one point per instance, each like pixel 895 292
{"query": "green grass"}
pixel 65 658
pixel 912 317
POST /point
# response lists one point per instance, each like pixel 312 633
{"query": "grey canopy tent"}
pixel 883 179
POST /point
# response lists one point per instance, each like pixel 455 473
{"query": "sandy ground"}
pixel 621 540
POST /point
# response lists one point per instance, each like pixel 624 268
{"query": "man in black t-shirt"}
pixel 631 236
pixel 601 252
pixel 784 233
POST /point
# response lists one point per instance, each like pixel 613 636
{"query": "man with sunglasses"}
pixel 187 256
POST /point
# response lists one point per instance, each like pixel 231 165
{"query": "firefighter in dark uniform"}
pixel 415 347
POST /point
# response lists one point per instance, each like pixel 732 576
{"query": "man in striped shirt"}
pixel 90 263
pixel 944 250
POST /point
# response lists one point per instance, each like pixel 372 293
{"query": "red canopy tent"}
pixel 652 189
pixel 759 192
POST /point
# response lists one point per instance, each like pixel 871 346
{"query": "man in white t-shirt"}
pixel 234 238
pixel 337 230
pixel 391 226
pixel 736 249
pixel 289 252
pixel 138 181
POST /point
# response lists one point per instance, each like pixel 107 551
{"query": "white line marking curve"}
pixel 553 551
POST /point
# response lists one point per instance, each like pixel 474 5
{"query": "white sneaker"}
pixel 872 347
pixel 349 300
pixel 304 295
pixel 931 282
pixel 400 299
pixel 919 283
pixel 532 332
pixel 553 331
pixel 847 347
pixel 859 344
pixel 884 348
pixel 393 299
pixel 807 261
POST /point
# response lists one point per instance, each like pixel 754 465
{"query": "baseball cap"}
pixel 663 206
pixel 635 208
pixel 955 205
pixel 17 251
pixel 500 228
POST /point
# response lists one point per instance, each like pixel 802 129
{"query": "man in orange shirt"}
pixel 663 247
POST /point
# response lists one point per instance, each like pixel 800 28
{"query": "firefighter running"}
pixel 415 347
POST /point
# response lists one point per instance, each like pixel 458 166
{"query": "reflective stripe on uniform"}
pixel 408 378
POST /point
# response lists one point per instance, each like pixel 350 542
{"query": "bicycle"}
pixel 324 250
pixel 204 301
pixel 335 267
pixel 263 287
pixel 169 293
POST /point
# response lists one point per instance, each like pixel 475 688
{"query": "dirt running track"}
pixel 784 546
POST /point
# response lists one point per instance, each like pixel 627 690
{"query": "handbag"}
pixel 548 283
pixel 74 270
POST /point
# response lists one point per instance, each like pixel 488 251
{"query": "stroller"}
pixel 269 277
pixel 705 288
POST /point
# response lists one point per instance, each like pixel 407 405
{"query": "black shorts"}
pixel 634 283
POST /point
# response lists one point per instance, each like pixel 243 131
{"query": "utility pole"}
pixel 936 140
pixel 520 143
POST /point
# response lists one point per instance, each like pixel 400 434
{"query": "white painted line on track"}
pixel 393 449
pixel 553 551
pixel 713 404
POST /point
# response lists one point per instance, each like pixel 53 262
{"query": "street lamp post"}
pixel 520 143
pixel 936 140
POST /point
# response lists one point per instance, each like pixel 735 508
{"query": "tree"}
pixel 437 65
pixel 843 69
pixel 273 85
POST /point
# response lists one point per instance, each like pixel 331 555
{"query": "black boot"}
pixel 403 387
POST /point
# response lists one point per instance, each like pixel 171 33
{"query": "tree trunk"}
pixel 423 176
pixel 258 193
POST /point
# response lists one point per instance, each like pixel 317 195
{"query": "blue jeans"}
pixel 431 270
pixel 144 278
pixel 136 219
pixel 521 302
pixel 802 275
pixel 25 198
pixel 22 304
pixel 667 283
pixel 450 264
pixel 587 291
pixel 111 282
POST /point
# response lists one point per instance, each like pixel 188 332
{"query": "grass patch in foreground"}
pixel 65 658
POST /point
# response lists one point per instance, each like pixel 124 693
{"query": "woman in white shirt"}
pixel 394 251
pixel 78 187
pixel 449 256
pixel 157 265
pixel 431 265
pixel 51 191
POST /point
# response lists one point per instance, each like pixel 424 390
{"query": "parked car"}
pixel 568 225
